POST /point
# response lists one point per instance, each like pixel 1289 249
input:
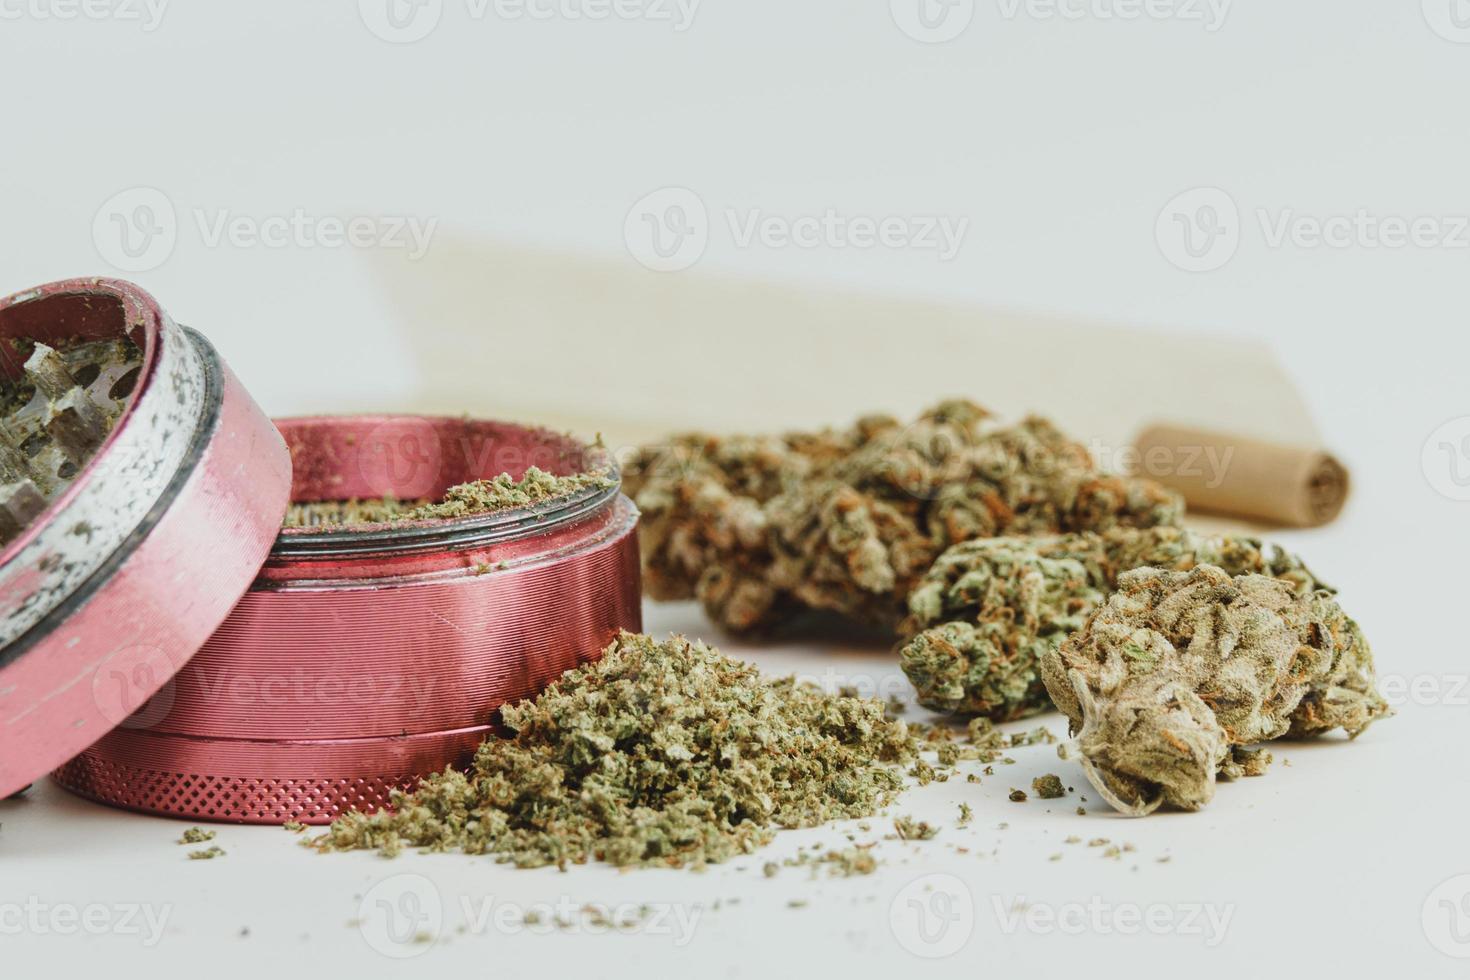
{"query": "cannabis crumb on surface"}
pixel 910 829
pixel 1048 787
pixel 196 835
pixel 658 754
pixel 208 854
pixel 845 863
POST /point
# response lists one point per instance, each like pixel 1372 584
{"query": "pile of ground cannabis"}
pixel 661 753
pixel 763 528
pixel 504 492
pixel 982 617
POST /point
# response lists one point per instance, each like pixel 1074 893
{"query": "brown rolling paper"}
pixel 1292 485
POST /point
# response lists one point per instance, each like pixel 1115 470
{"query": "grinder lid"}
pixel 140 491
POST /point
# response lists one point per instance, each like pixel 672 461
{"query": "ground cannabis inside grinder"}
pixel 503 492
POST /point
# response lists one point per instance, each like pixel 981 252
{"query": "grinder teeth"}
pixel 54 419
pixel 47 371
pixel 76 425
pixel 20 503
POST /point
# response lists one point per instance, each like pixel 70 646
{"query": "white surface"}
pixel 1061 141
pixel 1340 844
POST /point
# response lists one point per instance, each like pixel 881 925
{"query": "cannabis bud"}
pixel 986 612
pixel 1178 670
pixel 762 529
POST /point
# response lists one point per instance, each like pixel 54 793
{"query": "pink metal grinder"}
pixel 140 489
pixel 367 656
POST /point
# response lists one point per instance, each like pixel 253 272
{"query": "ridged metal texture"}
pixel 141 552
pixel 365 657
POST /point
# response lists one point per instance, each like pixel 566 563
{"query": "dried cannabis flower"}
pixel 761 529
pixel 1177 669
pixel 1048 787
pixel 910 829
pixel 988 610
pixel 661 753
pixel 504 492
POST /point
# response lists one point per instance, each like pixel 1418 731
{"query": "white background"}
pixel 1061 140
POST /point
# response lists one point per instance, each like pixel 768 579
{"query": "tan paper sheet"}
pixel 599 344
